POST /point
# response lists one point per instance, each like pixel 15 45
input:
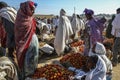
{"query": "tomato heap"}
pixel 75 59
pixel 78 44
pixel 52 72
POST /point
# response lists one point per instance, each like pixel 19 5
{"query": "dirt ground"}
pixel 116 72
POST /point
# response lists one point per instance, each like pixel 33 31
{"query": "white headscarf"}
pixel 75 23
pixel 8 13
pixel 99 72
pixel 63 33
pixel 101 51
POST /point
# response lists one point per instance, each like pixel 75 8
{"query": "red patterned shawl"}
pixel 25 27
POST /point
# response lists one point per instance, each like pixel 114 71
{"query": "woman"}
pixel 92 31
pixel 99 49
pixel 97 68
pixel 64 31
pixel 26 39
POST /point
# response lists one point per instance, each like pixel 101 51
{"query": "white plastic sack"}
pixel 47 49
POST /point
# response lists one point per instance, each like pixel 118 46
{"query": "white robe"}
pixel 77 25
pixel 116 26
pixel 63 33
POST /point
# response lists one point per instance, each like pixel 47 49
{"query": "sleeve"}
pixel 99 76
pixel 114 24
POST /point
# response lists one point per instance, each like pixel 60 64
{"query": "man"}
pixel 8 16
pixel 116 33
pixel 55 23
pixel 109 28
pixel 64 31
pixel 99 49
pixel 77 25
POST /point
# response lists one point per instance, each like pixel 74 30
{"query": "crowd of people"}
pixel 20 45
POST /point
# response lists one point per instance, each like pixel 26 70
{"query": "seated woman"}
pixel 99 49
pixel 95 69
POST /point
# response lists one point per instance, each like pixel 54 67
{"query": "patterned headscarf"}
pixel 27 7
pixel 100 49
pixel 88 11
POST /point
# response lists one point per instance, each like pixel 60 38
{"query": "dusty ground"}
pixel 116 72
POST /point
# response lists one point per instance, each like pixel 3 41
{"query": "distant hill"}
pixel 107 16
pixel 44 16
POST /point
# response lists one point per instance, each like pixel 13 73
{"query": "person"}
pixel 116 33
pixel 49 25
pixel 109 28
pixel 95 69
pixel 8 70
pixel 102 26
pixel 2 39
pixel 45 35
pixel 99 49
pixel 55 24
pixel 63 33
pixel 77 25
pixel 8 16
pixel 108 47
pixel 56 21
pixel 92 31
pixel 26 39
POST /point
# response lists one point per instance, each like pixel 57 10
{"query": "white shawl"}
pixel 99 73
pixel 101 51
pixel 8 13
pixel 63 33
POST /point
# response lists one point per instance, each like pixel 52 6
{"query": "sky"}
pixel 53 6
